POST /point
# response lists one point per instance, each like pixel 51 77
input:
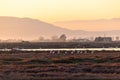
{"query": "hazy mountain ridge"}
pixel 26 28
pixel 92 25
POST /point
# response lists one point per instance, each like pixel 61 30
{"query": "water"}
pixel 66 49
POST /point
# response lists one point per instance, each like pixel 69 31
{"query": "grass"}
pixel 47 66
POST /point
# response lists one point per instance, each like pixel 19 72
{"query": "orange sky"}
pixel 61 10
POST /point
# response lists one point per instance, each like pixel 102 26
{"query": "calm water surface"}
pixel 66 49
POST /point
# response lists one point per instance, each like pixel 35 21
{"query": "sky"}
pixel 61 10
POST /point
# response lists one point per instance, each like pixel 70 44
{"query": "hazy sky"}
pixel 61 10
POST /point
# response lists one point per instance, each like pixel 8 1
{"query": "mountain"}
pixel 92 25
pixel 26 28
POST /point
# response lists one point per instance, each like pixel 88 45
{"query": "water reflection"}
pixel 65 49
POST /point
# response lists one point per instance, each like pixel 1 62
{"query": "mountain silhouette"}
pixel 27 28
pixel 13 27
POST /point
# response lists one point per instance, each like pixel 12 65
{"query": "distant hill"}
pixel 12 27
pixel 26 28
pixel 92 25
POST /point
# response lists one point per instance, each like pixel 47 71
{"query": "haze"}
pixel 52 11
pixel 92 25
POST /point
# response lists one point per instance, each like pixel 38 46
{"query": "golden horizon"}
pixel 52 11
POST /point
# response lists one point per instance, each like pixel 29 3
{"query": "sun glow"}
pixel 61 10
